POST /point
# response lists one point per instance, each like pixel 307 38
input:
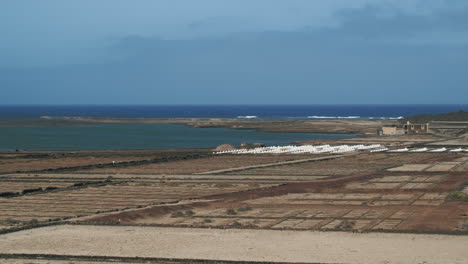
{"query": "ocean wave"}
pixel 334 117
pixel 354 117
pixel 384 117
pixel 249 117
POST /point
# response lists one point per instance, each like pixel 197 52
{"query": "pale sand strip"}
pixel 235 244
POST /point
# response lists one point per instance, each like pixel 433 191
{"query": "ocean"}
pixel 229 111
pixel 169 136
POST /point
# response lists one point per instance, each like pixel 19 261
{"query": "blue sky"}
pixel 233 52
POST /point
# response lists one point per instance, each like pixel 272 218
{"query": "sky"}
pixel 234 52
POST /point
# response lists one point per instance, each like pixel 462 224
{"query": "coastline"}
pixel 336 126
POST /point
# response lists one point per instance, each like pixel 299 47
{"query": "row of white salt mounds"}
pixel 311 149
pixel 428 150
pixel 304 149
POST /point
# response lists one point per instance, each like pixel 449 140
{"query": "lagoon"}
pixel 140 136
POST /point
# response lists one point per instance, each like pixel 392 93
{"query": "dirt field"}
pixel 52 161
pixel 201 165
pixel 233 198
pixel 344 165
pixel 74 202
pixel 234 244
pixel 25 164
pixel 460 164
pixel 362 196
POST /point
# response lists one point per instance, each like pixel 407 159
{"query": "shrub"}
pixel 11 221
pixel 244 209
pixel 25 191
pixel 464 226
pixel 189 213
pixel 458 195
pixel 236 224
pixel 8 194
pixel 206 220
pixel 33 221
pixel 346 224
pixel 177 214
pixel 230 212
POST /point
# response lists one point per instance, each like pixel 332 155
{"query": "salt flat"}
pixel 237 244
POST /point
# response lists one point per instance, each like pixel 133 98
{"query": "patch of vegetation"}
pixel 78 184
pixel 189 213
pixel 11 221
pixel 230 212
pixel 244 209
pixel 25 191
pixel 206 220
pixel 8 194
pixel 346 225
pixel 236 224
pixel 464 226
pixel 458 196
pixel 177 214
pixel 33 221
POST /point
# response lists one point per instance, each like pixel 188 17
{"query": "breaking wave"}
pixel 352 117
pixel 334 117
pixel 249 117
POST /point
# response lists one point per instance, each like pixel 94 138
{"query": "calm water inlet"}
pixel 140 136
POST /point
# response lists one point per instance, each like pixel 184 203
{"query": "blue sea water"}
pixel 229 111
pixel 166 136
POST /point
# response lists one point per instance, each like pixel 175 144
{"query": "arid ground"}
pixel 190 206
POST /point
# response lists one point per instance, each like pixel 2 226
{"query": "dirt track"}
pixel 234 244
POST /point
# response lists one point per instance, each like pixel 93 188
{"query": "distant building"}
pixel 391 131
pixel 408 128
pixel 411 128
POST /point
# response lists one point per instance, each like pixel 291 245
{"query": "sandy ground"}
pixel 237 244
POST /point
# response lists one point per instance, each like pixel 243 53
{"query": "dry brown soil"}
pixel 235 244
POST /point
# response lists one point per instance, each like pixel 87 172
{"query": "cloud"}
pixel 52 32
pixel 268 67
pixel 368 22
